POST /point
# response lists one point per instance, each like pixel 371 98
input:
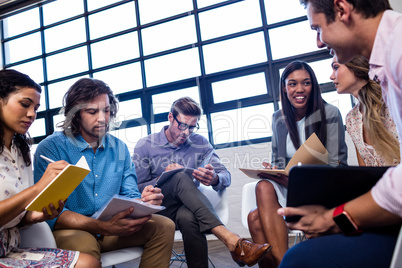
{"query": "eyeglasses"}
pixel 184 126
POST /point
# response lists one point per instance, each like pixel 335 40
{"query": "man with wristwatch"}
pixel 372 29
pixel 344 221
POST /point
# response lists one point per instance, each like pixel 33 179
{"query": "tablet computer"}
pixel 329 186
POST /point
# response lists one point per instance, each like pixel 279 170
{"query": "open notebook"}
pixel 311 152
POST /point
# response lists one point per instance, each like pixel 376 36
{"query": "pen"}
pixel 47 159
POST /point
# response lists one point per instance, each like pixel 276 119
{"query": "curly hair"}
pixel 12 81
pixel 373 110
pixel 81 92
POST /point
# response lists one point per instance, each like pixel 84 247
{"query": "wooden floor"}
pixel 217 251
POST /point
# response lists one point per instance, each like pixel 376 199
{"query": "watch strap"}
pixel 340 210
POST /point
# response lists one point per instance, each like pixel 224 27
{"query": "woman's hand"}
pixel 269 166
pixel 279 178
pixel 52 170
pixel 32 217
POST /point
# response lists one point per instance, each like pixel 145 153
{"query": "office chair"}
pixel 249 202
pixel 39 235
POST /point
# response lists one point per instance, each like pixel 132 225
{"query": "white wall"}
pixel 396 5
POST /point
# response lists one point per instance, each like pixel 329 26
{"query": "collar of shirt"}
pixel 83 144
pixel 162 141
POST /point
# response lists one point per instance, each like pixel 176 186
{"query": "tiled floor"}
pixel 218 254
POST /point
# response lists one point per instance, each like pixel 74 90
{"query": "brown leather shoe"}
pixel 249 253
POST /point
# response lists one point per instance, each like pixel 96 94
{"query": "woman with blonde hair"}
pixel 369 123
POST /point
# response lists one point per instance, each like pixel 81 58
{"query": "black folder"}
pixel 329 186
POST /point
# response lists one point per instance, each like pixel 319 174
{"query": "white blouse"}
pixel 15 177
pixel 290 148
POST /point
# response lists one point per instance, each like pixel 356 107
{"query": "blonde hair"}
pixel 373 108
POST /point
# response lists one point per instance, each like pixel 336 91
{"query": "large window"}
pixel 228 55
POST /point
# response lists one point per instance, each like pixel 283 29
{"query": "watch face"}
pixel 344 224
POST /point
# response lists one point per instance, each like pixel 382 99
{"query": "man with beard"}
pixel 89 107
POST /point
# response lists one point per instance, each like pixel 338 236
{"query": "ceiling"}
pixel 10 6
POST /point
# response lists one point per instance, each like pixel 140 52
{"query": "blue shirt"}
pixel 154 153
pixel 112 171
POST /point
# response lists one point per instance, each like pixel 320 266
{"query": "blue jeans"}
pixel 369 249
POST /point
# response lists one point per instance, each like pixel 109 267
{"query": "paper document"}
pixel 311 152
pixel 120 203
pixel 168 174
pixel 61 186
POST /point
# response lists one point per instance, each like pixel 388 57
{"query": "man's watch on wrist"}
pixel 345 221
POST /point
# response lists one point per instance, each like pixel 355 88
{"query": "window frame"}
pixel 270 68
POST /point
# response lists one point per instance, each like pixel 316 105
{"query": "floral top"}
pixel 354 126
pixel 15 177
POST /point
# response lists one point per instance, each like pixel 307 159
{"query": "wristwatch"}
pixel 344 221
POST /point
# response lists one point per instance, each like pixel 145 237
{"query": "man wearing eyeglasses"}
pixel 176 146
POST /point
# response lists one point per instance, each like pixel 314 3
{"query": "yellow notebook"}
pixel 311 152
pixel 61 186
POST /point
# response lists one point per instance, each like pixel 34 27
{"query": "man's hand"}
pixel 121 225
pixel 173 166
pixel 152 195
pixel 315 220
pixel 206 176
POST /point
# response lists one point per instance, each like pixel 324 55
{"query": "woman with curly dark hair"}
pixel 19 102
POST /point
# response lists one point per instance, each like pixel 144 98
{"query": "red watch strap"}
pixel 339 209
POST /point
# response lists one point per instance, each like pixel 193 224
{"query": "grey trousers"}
pixel 193 214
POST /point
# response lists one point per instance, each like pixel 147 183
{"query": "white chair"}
pixel 219 201
pixel 39 235
pixel 248 202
